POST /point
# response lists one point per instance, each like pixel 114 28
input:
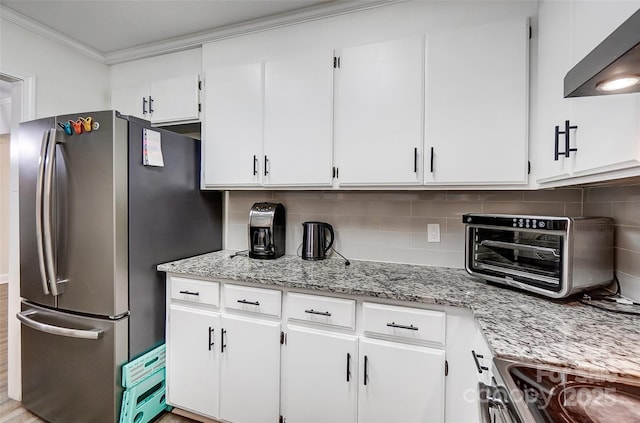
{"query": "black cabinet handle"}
pixel 348 367
pixel 475 358
pixel 321 313
pixel 366 372
pixel 211 343
pixel 255 165
pixel 567 140
pixel 144 105
pixel 222 344
pixel 415 160
pixel 431 161
pixel 150 104
pixel 394 325
pixel 189 293
pixel 266 160
pixel 255 303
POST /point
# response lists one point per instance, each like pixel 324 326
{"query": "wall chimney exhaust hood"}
pixel 613 67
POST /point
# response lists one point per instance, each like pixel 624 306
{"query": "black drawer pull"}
pixel 348 366
pixel 394 325
pixel 321 313
pixel 255 303
pixel 475 358
pixel 189 293
pixel 366 370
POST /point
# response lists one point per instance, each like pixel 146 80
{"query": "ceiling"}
pixel 108 27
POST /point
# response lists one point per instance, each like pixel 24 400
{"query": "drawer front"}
pixel 253 300
pixel 403 322
pixel 195 291
pixel 322 310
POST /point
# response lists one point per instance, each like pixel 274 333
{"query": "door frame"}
pixel 26 92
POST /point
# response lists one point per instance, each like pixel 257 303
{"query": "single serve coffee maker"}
pixel 266 231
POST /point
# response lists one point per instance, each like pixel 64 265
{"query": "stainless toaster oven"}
pixel 552 256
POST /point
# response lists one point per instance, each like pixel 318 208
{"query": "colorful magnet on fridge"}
pixel 77 126
pixel 67 127
pixel 87 123
pixel 96 125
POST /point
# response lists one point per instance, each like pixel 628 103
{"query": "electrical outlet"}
pixel 433 232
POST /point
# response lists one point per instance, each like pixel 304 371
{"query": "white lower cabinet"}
pixel 400 383
pixel 193 359
pixel 249 370
pixel 319 376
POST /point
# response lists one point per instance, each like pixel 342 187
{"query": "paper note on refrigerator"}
pixel 151 148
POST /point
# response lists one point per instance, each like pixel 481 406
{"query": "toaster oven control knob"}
pixel 541 225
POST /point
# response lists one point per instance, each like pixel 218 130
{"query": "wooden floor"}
pixel 12 411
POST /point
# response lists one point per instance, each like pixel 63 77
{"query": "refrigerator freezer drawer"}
pixel 71 365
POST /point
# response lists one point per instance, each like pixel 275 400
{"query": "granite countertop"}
pixel 516 325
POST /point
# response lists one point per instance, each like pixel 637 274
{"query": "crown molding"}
pixel 50 33
pixel 173 45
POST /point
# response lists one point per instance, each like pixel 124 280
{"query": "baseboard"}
pixel 4 278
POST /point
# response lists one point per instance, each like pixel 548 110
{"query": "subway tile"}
pixel 573 209
pixel 414 196
pixel 455 259
pixel 395 223
pixel 629 285
pixel 394 239
pixel 351 195
pixel 237 237
pixel 627 213
pixel 455 226
pixel 444 209
pixel 573 195
pixel 387 208
pixel 316 206
pixel 544 209
pixel 414 256
pixel 598 209
pixel 237 218
pixel 472 196
pixel 613 193
pixel 627 261
pixel 357 223
pixel 627 237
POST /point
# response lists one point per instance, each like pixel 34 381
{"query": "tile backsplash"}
pixel 622 202
pixel 392 225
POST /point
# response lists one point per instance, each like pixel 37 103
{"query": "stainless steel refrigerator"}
pixel 95 220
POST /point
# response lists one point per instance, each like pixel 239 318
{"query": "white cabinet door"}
pixel 477 104
pixel 298 131
pixel 193 360
pixel 233 126
pixel 319 376
pixel 604 128
pixel 249 370
pixel 605 140
pixel 400 383
pixel 132 101
pixel 551 109
pixel 379 105
pixel 175 99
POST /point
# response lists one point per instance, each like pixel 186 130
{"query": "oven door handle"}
pixel 515 246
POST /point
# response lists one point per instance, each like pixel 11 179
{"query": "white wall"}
pixel 4 207
pixel 66 81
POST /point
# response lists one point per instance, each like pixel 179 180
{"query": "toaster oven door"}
pixel 527 256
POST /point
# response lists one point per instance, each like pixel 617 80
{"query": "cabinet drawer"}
pixel 324 310
pixel 195 291
pixel 402 322
pixel 254 300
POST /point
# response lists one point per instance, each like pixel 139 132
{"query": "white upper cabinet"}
pixel 602 136
pixel 378 113
pixel 477 104
pixel 298 132
pixel 169 100
pixel 233 125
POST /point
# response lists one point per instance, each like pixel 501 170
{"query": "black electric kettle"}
pixel 314 240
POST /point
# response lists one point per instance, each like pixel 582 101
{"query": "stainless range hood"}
pixel 614 59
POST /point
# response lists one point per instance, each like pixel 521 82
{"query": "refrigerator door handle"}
pixel 47 205
pixel 25 318
pixel 39 234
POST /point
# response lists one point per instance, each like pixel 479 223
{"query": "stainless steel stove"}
pixel 530 393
